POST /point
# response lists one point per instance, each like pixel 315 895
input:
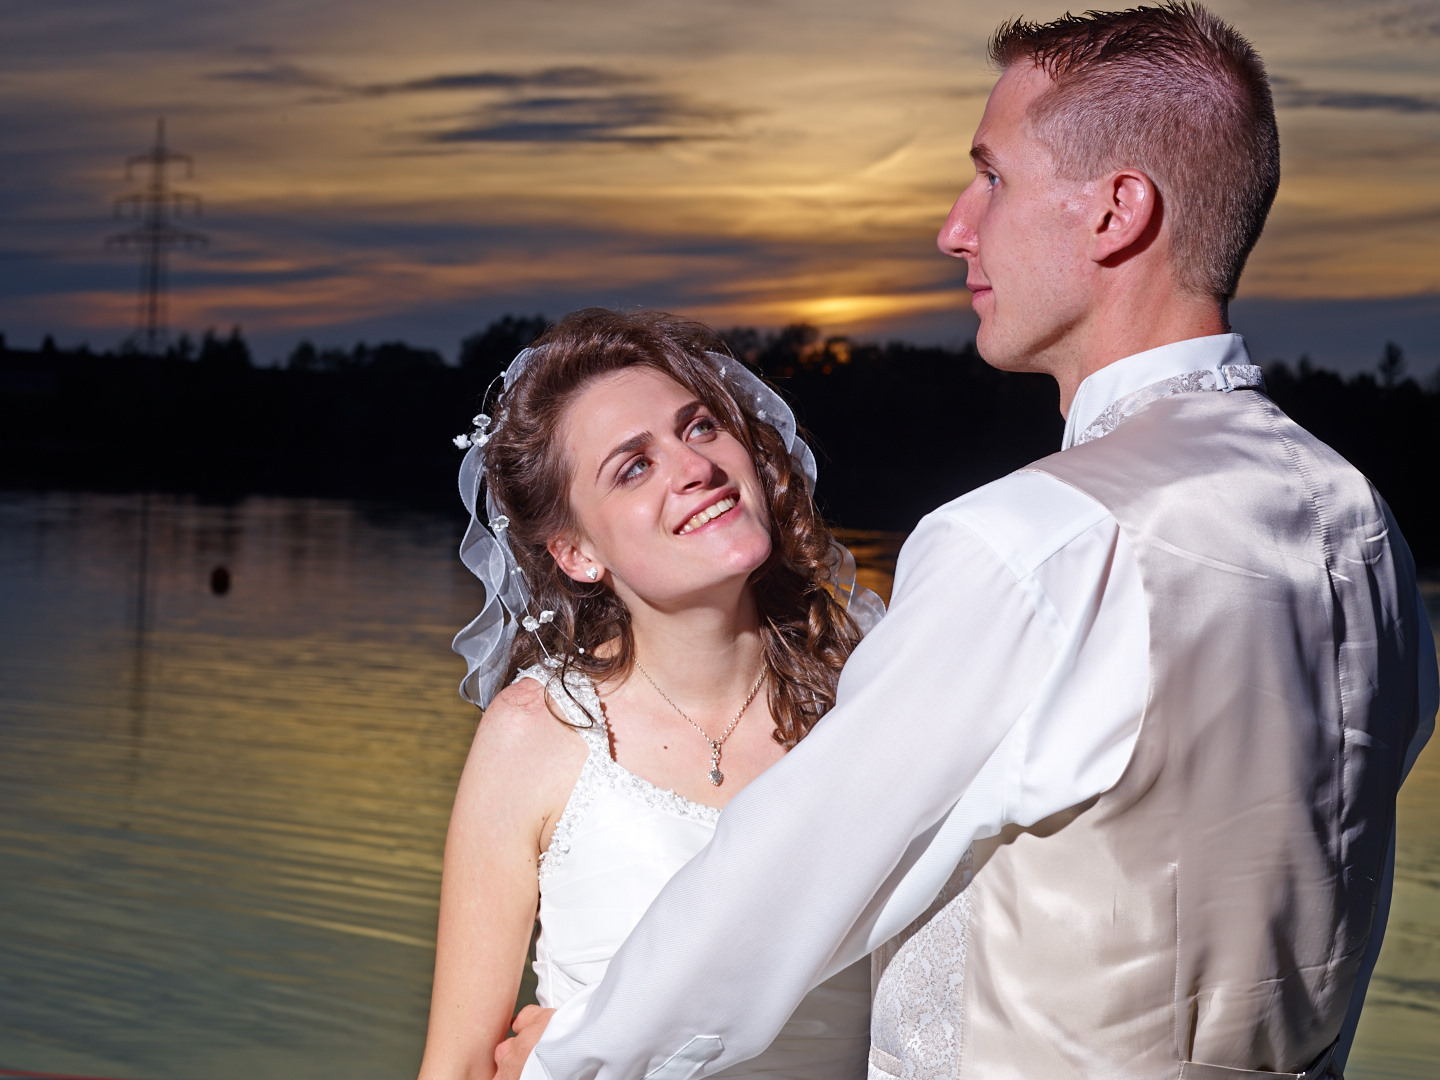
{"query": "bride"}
pixel 669 614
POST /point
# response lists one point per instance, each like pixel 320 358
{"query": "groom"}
pixel 1111 789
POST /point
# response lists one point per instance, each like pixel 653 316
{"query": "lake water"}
pixel 222 815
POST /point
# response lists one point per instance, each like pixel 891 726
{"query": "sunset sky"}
pixel 412 170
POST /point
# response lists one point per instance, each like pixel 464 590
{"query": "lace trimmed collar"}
pixel 1230 377
pixel 1098 400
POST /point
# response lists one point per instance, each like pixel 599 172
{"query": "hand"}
pixel 511 1055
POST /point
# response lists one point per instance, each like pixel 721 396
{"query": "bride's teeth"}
pixel 709 514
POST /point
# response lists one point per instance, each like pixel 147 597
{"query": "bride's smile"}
pixel 703 517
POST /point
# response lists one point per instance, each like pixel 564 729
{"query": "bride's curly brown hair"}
pixel 806 634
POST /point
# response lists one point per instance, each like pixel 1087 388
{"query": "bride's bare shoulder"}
pixel 519 729
pixel 521 702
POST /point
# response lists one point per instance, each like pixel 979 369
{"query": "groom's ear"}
pixel 1125 218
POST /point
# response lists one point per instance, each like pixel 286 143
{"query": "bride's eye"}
pixel 636 469
pixel 703 427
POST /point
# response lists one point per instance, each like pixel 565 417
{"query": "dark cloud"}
pixel 628 119
pixel 569 104
pixel 277 74
pixel 287 75
pixel 1411 21
pixel 557 78
pixel 1290 95
pixel 1331 223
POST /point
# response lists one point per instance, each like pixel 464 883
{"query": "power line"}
pixel 153 207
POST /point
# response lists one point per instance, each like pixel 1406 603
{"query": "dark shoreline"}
pixel 897 429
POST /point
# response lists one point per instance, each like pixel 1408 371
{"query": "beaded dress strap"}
pixel 580 706
pixel 581 709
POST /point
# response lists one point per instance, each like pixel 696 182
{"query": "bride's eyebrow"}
pixel 686 413
pixel 629 446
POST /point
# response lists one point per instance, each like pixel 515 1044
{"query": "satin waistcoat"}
pixel 1206 917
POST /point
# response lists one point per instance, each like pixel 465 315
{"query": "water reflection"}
pixel 222 811
pixel 221 818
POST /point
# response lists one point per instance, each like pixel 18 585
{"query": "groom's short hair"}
pixel 1176 93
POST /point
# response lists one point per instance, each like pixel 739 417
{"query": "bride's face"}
pixel 668 503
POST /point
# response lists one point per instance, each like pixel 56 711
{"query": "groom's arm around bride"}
pixel 1152 696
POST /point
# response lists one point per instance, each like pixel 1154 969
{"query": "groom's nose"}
pixel 957 237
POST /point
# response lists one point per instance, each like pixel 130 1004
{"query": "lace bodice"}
pixel 919 978
pixel 618 841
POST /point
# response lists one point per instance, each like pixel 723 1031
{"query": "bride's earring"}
pixel 592 573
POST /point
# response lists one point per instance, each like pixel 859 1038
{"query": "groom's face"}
pixel 1021 229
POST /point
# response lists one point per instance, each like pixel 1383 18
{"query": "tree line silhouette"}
pixel 898 428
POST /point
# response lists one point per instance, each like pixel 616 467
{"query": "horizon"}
pixel 190 344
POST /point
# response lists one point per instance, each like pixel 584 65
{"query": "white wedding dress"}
pixel 617 843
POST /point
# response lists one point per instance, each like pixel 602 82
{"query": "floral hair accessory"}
pixel 532 624
pixel 477 437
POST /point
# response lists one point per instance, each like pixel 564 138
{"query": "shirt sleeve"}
pixel 850 837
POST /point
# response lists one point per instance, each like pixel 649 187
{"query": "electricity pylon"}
pixel 153 207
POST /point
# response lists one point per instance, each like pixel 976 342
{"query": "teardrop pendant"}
pixel 716 776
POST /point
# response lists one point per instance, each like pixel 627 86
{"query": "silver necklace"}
pixel 716 777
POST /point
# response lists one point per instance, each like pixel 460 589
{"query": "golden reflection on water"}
pixel 222 817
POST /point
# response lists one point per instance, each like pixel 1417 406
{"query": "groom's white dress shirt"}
pixel 1005 684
